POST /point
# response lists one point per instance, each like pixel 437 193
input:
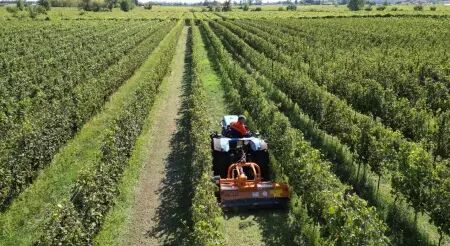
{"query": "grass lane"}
pixel 119 220
pixel 254 227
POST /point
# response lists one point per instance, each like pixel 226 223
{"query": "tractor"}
pixel 242 172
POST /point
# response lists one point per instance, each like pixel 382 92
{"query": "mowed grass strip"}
pixel 21 223
pixel 116 227
pixel 245 227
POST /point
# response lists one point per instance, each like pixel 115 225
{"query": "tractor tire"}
pixel 262 159
pixel 221 162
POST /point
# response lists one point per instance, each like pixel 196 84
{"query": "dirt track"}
pixel 155 217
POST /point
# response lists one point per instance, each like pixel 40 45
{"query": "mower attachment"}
pixel 244 187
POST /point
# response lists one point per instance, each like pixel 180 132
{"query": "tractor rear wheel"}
pixel 221 161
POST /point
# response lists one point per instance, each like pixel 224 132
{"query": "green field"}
pixel 268 11
pixel 105 122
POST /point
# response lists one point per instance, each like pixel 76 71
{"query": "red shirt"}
pixel 240 127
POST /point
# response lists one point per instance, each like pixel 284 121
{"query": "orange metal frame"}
pixel 236 175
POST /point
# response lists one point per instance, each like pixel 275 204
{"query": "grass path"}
pixel 152 213
pixel 118 223
pixel 255 227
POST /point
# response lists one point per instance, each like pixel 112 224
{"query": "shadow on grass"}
pixel 273 224
pixel 173 214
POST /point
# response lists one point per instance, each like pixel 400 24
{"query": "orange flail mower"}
pixel 238 189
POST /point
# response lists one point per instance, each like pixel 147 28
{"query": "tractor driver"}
pixel 238 128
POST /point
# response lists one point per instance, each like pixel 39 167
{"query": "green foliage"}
pixel 65 3
pixel 126 5
pixel 418 7
pixel 110 4
pixel 64 227
pixel 381 7
pixel 366 95
pixel 257 9
pixel 227 6
pixel 94 5
pixel 56 121
pixel 312 180
pixel 94 192
pixel 331 147
pixel 291 7
pixel 12 10
pixel 440 199
pixel 36 10
pixel 205 211
pixel 45 4
pixel 148 6
pixel 20 5
pixel 371 142
pixel 414 171
pixel 368 8
pixel 433 8
pixel 280 8
pixel 300 223
pixel 355 5
pixel 246 7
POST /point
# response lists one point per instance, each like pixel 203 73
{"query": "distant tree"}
pixel 227 6
pixel 110 4
pixel 91 5
pixel 355 5
pixel 65 3
pixel 245 8
pixel 291 7
pixel 148 6
pixel 418 7
pixel 126 5
pixel 35 10
pixel 45 4
pixel 21 5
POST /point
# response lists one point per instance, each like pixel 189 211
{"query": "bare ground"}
pixel 159 211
